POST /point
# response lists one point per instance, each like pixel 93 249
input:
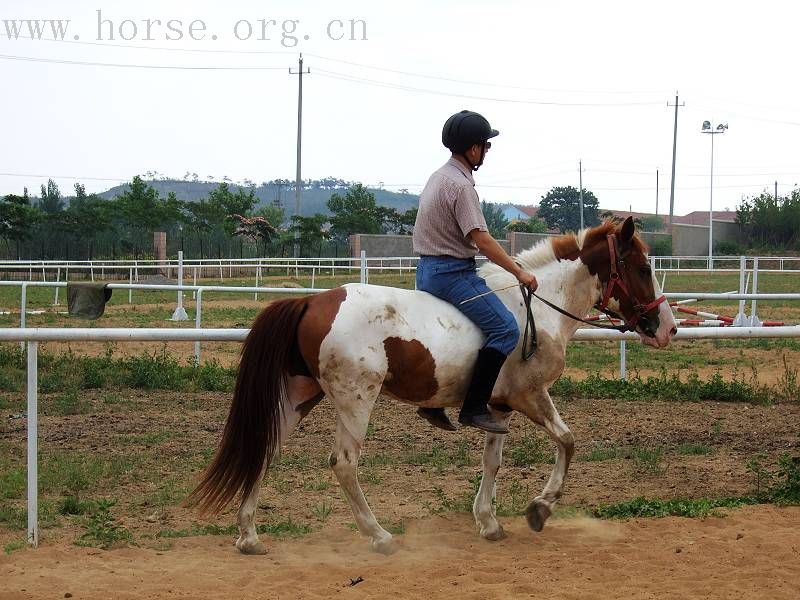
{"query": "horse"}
pixel 355 342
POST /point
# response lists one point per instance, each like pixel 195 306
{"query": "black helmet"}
pixel 465 129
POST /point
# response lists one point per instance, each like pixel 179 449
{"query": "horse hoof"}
pixel 385 546
pixel 251 547
pixel 493 534
pixel 536 514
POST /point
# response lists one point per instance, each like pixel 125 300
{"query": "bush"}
pixel 728 248
pixel 662 247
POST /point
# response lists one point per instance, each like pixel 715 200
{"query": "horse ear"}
pixel 627 230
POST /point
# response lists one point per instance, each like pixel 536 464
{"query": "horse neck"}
pixel 569 285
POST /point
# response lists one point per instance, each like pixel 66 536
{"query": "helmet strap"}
pixel 477 165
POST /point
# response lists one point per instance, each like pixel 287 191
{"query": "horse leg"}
pixel 482 507
pixel 303 393
pixel 542 412
pixel 344 462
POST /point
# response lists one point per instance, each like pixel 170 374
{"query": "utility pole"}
pixel 656 192
pixel 674 148
pixel 776 192
pixel 580 192
pixel 298 181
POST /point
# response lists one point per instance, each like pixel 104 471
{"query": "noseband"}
pixel 616 279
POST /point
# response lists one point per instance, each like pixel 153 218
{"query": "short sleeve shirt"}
pixel 449 209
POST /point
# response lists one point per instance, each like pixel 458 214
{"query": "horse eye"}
pixel 645 270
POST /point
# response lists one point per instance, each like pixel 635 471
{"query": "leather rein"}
pixel 616 279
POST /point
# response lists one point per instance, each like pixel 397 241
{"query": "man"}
pixel 450 230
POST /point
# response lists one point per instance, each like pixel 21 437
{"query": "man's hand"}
pixel 528 280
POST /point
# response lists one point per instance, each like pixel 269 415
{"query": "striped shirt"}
pixel 449 210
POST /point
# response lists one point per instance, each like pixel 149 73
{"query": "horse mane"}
pixel 559 247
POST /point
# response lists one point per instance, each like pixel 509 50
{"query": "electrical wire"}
pixel 135 66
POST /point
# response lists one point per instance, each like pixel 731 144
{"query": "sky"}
pixel 565 83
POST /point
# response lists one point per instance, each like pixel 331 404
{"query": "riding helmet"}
pixel 465 129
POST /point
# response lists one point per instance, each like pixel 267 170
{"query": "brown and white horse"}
pixel 352 343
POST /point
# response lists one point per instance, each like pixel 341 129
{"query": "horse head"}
pixel 628 288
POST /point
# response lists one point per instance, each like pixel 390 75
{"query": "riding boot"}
pixel 437 417
pixel 475 412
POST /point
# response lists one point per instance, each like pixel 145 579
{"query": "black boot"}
pixel 474 412
pixel 437 417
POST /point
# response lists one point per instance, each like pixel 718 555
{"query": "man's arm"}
pixel 495 253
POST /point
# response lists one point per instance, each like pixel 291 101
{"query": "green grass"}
pixel 676 507
pixel 666 387
pixel 12 547
pixel 279 529
pixel 529 450
pixel 102 528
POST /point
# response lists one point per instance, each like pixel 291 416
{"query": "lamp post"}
pixel 707 128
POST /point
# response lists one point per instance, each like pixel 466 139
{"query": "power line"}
pixel 135 66
pixel 476 83
pixel 386 84
pixel 137 47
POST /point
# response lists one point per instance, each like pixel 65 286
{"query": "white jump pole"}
pixel 33 444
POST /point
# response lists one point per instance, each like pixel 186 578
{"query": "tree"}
pixel 651 223
pixel 355 212
pixel 496 221
pixel 310 230
pixel 274 214
pixel 256 228
pixel 560 208
pixel 143 211
pixel 51 201
pixel 532 225
pixel 228 204
pixel 17 219
pixel 86 217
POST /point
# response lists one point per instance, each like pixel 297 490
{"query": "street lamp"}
pixel 707 128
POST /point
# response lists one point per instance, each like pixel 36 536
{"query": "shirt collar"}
pixel 458 165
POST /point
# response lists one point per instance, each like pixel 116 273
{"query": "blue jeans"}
pixel 455 280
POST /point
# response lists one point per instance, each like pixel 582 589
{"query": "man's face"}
pixel 474 153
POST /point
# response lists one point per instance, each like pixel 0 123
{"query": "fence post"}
pixel 58 278
pixel 623 370
pixel 33 444
pixel 197 319
pixel 363 267
pixel 180 313
pixel 741 318
pixel 23 309
pixel 754 320
pixel 130 290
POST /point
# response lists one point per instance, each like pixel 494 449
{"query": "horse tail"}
pixel 253 429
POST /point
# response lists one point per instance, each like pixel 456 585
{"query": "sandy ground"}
pixel 751 553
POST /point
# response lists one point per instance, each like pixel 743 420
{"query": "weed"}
pixel 691 449
pixel 379 459
pixel 155 371
pixel 12 481
pixel 788 389
pixel 678 507
pixel 518 499
pixel 598 454
pixel 396 529
pixel 212 377
pixel 72 505
pixel 295 461
pixel 787 490
pixel 370 477
pixel 103 530
pixel 12 547
pixel 529 450
pixel 716 427
pixel 316 485
pixel 649 460
pixel 761 475
pixel 15 517
pixel 69 403
pixel 322 511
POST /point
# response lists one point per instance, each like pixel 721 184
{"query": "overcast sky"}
pixel 563 82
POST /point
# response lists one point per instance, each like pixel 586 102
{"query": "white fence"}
pixel 44 270
pixel 33 336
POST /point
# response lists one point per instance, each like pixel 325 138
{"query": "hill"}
pixel 315 193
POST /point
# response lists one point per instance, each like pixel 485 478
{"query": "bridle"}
pixel 616 279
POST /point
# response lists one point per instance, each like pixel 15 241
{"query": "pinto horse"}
pixel 355 342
